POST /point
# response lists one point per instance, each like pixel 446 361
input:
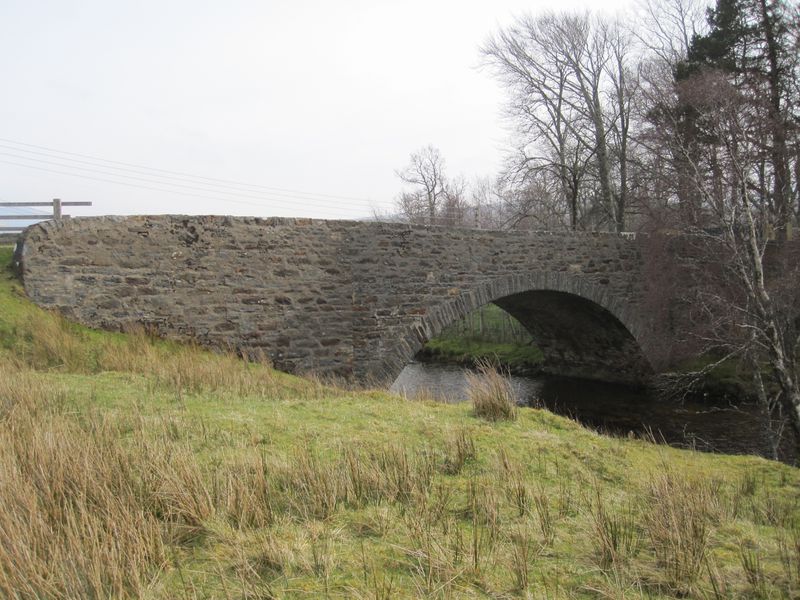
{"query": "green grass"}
pixel 135 468
pixel 488 334
pixel 470 351
pixel 488 323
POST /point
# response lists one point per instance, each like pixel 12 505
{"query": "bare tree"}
pixel 570 90
pixel 624 84
pixel 433 198
pixel 455 208
pixel 425 172
pixel 587 57
pixel 666 28
pixel 550 138
pixel 483 204
pixel 713 161
pixel 536 205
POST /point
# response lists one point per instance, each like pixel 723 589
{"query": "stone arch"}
pixel 585 294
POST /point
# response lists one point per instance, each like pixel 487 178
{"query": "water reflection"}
pixel 711 425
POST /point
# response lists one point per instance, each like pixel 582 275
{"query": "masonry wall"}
pixel 283 287
pixel 352 298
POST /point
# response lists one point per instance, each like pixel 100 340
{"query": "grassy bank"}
pixel 470 351
pixel 486 334
pixel 139 469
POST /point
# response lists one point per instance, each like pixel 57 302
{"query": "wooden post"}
pixel 56 209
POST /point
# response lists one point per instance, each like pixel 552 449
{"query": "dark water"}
pixel 713 425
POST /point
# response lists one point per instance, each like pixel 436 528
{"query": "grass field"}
pixel 131 468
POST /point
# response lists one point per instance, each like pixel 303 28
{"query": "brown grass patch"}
pixel 491 394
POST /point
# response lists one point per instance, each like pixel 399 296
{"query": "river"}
pixel 707 424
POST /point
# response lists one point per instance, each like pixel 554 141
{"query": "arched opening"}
pixel 582 330
pixel 578 337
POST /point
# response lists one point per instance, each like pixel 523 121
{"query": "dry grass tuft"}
pixel 491 394
pixel 616 534
pixel 460 449
pixel 78 520
pixel 678 519
pixel 523 550
pixel 245 493
pixel 26 393
pixel 788 543
pixel 87 511
pixel 314 489
pixel 188 368
pixel 48 341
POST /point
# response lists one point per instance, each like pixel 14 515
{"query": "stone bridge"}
pixel 357 299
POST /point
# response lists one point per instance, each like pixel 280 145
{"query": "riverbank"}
pixel 710 423
pixel 136 468
pixel 515 358
pixel 728 381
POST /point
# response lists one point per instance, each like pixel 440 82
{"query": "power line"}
pixel 236 194
pixel 216 198
pixel 224 182
pixel 205 186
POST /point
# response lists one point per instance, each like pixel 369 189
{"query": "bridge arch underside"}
pixel 578 336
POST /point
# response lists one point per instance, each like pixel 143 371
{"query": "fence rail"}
pixel 56 204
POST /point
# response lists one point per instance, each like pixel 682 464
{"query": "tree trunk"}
pixel 603 168
pixel 778 152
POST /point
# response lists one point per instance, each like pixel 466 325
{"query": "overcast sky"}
pixel 318 102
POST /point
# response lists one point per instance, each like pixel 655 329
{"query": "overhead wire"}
pixel 150 176
pixel 187 175
pixel 223 192
pixel 163 177
pixel 101 179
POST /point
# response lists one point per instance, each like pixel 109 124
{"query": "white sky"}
pixel 327 98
